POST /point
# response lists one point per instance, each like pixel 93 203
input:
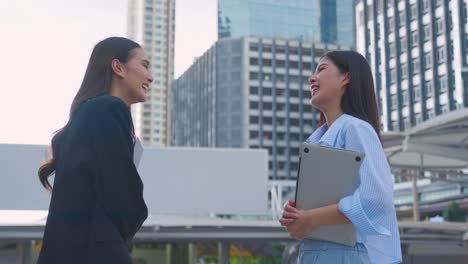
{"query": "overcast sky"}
pixel 45 47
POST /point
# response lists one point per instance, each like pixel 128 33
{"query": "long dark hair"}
pixel 97 80
pixel 359 98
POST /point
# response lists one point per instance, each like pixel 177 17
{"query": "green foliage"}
pixel 453 213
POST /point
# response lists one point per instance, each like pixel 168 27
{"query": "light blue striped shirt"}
pixel 370 208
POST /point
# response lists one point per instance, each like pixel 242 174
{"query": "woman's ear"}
pixel 345 81
pixel 118 68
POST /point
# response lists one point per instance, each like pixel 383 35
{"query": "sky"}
pixel 45 47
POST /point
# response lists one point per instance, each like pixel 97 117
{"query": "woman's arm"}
pixel 118 186
pixel 300 223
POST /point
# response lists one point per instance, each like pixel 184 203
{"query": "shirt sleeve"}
pixel 372 201
pixel 118 184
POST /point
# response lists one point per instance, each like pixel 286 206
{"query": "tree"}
pixel 453 213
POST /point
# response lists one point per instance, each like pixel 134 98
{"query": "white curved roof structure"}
pixel 439 143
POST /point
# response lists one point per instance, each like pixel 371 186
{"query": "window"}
pixel 391 50
pixel 414 12
pixel 266 62
pixel 280 78
pixel 267 48
pixel 253 120
pixel 425 6
pixel 443 84
pixel 430 113
pixel 406 123
pixel 395 126
pixel 403 44
pixel 418 119
pixel 254 134
pixel 253 61
pixel 253 47
pixel 306 51
pixel 294 122
pixel 426 33
pixel 415 66
pixel 293 51
pixel 394 102
pixel 417 93
pixel 361 18
pixel 267 91
pixel 267 77
pixel 429 89
pixel 439 26
pixel 440 55
pixel 402 18
pixel 294 108
pixel 253 76
pixel 307 65
pixel 279 50
pixel 294 79
pixel 293 65
pixel 390 25
pixel 404 71
pixel 253 90
pixel 392 76
pixel 405 98
pixel 253 105
pixel 438 2
pixel 414 38
pixel 444 109
pixel 427 60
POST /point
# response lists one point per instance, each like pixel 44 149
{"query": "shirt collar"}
pixel 325 135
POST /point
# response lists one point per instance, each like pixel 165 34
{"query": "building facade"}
pixel 418 54
pixel 325 21
pixel 152 24
pixel 249 92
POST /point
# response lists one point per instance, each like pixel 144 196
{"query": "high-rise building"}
pixel 151 23
pixel 417 50
pixel 325 21
pixel 249 92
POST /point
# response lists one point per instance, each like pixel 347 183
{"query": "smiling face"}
pixel 137 78
pixel 327 85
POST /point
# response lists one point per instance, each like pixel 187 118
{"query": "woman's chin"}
pixel 142 98
pixel 314 102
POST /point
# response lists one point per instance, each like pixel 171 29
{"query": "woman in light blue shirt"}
pixel 342 89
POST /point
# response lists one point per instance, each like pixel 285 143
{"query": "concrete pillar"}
pixel 192 253
pixel 23 252
pixel 223 253
pixel 415 198
pixel 168 253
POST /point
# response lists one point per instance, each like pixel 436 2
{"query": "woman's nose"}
pixel 312 79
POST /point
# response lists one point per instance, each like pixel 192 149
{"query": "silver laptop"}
pixel 326 175
pixel 137 152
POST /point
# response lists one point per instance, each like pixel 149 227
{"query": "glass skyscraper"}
pixel 325 21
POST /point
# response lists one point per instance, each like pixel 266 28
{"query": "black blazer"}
pixel 97 201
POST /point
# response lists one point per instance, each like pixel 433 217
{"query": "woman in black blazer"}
pixel 97 201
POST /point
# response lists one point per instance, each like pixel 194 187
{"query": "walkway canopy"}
pixel 439 143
